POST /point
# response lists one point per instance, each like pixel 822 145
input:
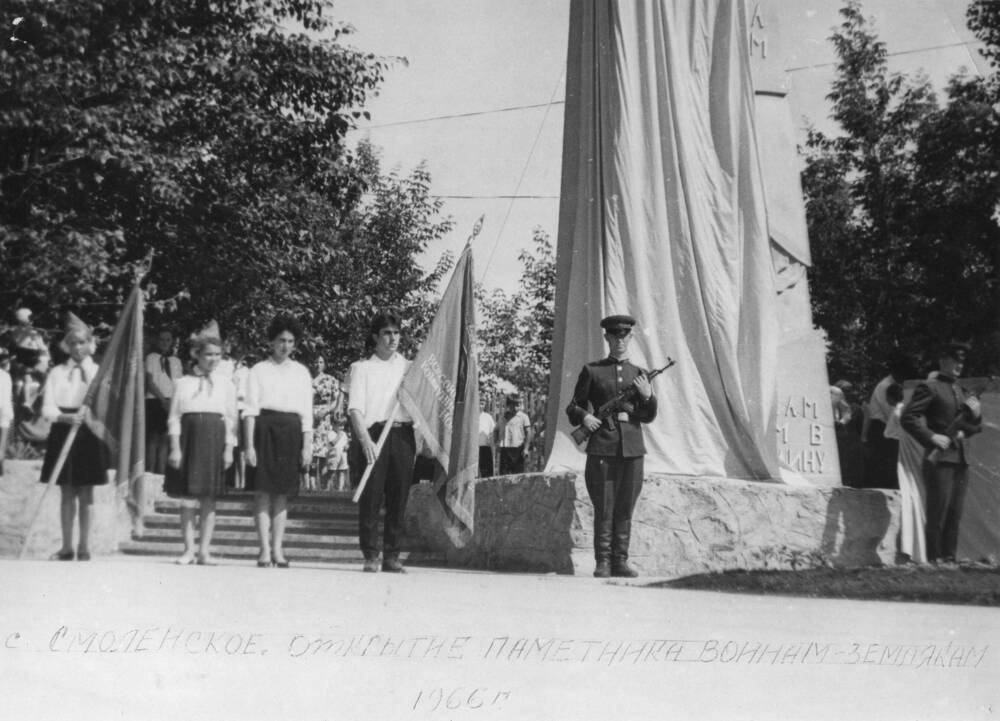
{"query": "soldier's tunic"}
pixel 615 452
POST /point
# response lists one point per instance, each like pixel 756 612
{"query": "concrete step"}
pixel 334 525
pixel 320 528
pixel 305 554
pixel 174 547
pixel 338 508
pixel 249 538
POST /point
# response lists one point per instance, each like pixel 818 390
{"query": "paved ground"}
pixel 145 639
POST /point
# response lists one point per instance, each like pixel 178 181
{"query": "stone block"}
pixel 20 492
pixel 682 525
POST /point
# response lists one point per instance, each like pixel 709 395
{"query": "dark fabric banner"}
pixel 441 392
pixel 115 399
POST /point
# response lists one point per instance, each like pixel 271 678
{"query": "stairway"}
pixel 321 528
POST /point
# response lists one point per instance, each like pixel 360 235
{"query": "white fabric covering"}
pixel 663 217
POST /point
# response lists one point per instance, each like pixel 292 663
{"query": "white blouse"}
pixel 164 381
pixel 6 401
pixel 203 394
pixel 285 387
pixel 66 386
pixel 374 383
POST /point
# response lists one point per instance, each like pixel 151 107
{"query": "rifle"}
pixel 952 431
pixel 580 434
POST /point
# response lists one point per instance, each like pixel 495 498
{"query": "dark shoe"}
pixel 261 563
pixel 371 565
pixel 392 565
pixel 623 570
pixel 283 563
pixel 62 556
pixel 83 555
pixel 602 570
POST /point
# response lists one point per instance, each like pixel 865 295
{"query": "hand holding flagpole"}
pixel 56 470
pixel 378 450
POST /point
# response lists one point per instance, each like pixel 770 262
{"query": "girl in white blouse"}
pixel 65 389
pixel 278 418
pixel 201 427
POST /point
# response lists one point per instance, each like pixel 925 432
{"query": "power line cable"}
pixel 891 55
pixel 462 115
pixel 514 108
pixel 967 44
pixel 496 197
pixel 524 171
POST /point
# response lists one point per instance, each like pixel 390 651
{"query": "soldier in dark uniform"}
pixel 941 417
pixel 615 451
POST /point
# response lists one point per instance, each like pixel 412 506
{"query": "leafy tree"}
pixel 376 245
pixel 899 212
pixel 515 335
pixel 515 329
pixel 211 132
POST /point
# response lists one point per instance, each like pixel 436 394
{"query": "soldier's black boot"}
pixel 620 568
pixel 620 541
pixel 602 569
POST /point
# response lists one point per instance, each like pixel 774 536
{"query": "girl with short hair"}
pixel 201 427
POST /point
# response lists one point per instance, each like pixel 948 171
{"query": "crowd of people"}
pixel 939 416
pixel 219 420
pixel 868 434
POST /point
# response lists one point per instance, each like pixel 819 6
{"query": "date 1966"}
pixel 463 697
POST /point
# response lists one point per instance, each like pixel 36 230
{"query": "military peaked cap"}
pixel 613 322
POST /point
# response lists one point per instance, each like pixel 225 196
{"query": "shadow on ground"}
pixel 966 584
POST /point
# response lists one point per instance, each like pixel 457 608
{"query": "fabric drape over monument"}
pixel 663 216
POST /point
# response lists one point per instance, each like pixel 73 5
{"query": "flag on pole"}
pixel 116 397
pixel 441 393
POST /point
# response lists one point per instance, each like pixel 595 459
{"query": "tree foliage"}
pixel 211 132
pixel 900 207
pixel 515 329
pixel 515 337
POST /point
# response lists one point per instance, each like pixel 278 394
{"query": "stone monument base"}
pixel 20 492
pixel 682 526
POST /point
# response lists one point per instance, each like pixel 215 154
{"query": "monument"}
pixel 681 204
pixel 806 437
pixel 670 213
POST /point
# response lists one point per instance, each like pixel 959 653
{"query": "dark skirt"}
pixel 203 440
pixel 277 438
pixel 84 465
pixel 156 417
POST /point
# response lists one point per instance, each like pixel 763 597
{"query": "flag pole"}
pixel 56 470
pixel 378 450
pixel 476 228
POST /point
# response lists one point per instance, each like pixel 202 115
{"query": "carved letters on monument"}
pixel 802 438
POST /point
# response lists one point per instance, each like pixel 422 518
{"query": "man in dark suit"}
pixel 940 417
pixel 615 450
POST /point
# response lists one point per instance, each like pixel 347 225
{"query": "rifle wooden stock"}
pixel 581 434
